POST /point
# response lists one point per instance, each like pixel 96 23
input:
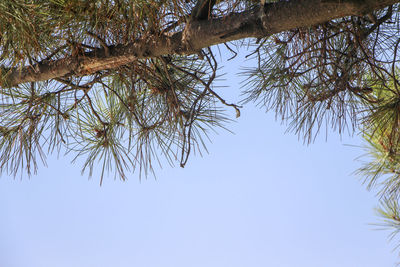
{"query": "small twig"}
pixel 54 53
pixel 101 41
pixel 257 49
pixel 230 49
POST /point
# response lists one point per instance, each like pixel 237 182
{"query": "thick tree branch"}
pixel 202 9
pixel 198 34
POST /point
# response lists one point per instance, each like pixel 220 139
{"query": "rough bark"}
pixel 258 22
pixel 202 10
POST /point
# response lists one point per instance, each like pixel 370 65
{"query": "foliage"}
pixel 342 74
pixel 123 117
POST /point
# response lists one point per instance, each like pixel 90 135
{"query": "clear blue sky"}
pixel 259 198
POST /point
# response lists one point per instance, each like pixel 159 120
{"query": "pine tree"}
pixel 122 83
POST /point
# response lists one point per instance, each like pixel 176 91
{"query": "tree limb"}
pixel 198 34
pixel 202 10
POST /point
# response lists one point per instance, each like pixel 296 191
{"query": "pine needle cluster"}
pixel 342 74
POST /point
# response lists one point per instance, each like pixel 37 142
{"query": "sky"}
pixel 260 197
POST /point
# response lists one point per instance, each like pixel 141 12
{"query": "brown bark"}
pixel 273 18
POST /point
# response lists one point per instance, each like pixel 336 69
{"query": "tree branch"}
pixel 202 10
pixel 198 34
